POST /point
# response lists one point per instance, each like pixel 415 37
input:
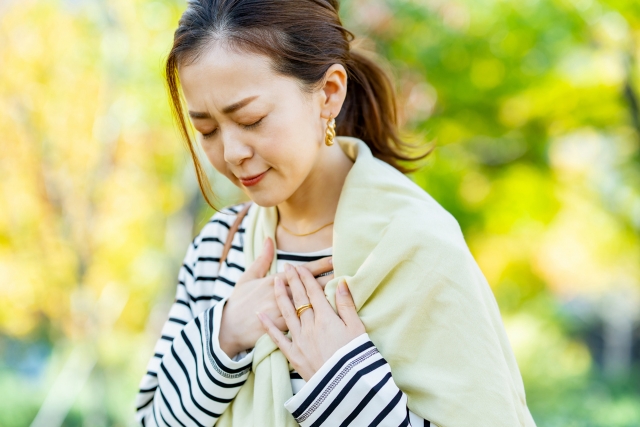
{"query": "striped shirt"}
pixel 190 381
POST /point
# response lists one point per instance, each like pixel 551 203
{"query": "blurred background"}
pixel 534 109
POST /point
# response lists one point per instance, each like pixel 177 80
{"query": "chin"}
pixel 265 197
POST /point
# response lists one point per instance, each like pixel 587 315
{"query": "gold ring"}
pixel 302 308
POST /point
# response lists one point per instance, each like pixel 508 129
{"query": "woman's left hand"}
pixel 319 332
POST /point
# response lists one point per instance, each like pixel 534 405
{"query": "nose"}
pixel 236 150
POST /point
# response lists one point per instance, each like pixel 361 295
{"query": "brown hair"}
pixel 303 38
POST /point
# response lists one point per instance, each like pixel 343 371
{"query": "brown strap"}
pixel 232 231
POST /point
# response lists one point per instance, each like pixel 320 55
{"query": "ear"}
pixel 334 91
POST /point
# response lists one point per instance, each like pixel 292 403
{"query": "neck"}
pixel 315 202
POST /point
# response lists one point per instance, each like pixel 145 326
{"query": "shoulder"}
pixel 394 204
pixel 213 235
pixel 424 224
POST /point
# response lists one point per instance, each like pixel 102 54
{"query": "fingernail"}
pixel 259 315
pixel 278 281
pixel 287 267
pixel 343 287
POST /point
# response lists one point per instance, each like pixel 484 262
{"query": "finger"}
pixel 321 275
pixel 298 290
pixel 276 334
pixel 295 284
pixel 325 279
pixel 286 307
pixel 314 291
pixel 282 276
pixel 261 265
pixel 345 305
pixel 322 278
pixel 319 266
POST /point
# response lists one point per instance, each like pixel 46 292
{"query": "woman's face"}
pixel 257 128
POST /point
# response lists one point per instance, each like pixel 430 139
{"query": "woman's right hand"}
pixel 253 292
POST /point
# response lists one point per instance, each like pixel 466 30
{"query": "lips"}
pixel 252 180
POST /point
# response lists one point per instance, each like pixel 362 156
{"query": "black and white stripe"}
pixel 190 381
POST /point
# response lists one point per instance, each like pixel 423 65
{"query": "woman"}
pixel 417 338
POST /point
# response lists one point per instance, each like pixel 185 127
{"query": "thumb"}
pixel 345 305
pixel 261 265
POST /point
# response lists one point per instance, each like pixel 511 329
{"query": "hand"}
pixel 319 332
pixel 254 292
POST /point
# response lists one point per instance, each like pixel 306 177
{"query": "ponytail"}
pixel 369 111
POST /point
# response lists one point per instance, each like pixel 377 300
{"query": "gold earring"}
pixel 331 131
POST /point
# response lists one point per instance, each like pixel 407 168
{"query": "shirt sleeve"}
pixel 353 387
pixel 189 379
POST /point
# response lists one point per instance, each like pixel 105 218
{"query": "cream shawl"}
pixel 421 296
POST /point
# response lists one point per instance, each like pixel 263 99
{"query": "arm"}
pixel 353 387
pixel 189 379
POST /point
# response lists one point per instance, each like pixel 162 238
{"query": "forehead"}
pixel 221 75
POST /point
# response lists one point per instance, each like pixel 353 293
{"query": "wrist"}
pixel 229 336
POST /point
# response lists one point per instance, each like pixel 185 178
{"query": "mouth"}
pixel 252 180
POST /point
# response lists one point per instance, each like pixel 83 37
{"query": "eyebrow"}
pixel 226 110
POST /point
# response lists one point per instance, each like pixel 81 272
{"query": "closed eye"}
pixel 210 134
pixel 252 125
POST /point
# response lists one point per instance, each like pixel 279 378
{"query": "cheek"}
pixel 292 143
pixel 215 155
